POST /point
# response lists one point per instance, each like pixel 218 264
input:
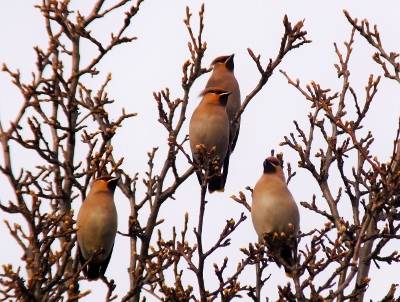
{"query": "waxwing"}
pixel 97 226
pixel 209 126
pixel 275 214
pixel 224 77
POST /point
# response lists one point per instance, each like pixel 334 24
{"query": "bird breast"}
pixel 210 130
pixel 98 227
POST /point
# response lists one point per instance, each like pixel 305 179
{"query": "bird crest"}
pixel 215 90
pixel 106 181
pixel 228 60
pixel 220 95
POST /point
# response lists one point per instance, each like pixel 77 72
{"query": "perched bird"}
pixel 224 77
pixel 209 126
pixel 97 226
pixel 274 212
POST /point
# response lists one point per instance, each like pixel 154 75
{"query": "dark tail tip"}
pixel 289 273
pixel 93 271
pixel 287 255
pixel 216 184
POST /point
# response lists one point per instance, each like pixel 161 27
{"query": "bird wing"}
pixel 104 265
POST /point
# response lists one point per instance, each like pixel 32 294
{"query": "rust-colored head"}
pixel 215 94
pixel 105 182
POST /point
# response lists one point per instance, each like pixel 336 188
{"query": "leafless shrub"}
pixel 60 108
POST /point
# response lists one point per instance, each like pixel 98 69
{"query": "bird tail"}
pixel 90 271
pixel 93 271
pixel 216 183
pixel 288 273
pixel 287 255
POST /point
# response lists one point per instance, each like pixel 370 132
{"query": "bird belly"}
pixel 272 220
pixel 97 234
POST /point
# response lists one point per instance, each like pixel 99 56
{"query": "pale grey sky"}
pixel 154 62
